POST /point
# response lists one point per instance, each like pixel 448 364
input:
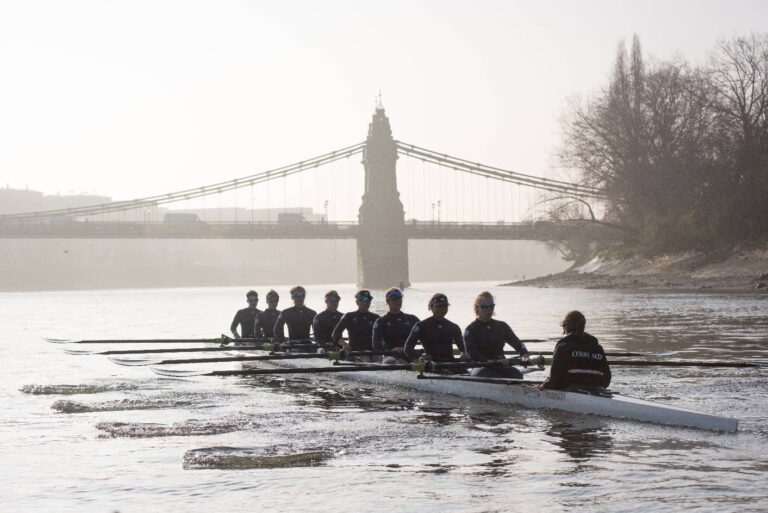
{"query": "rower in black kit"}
pixel 325 321
pixel 391 330
pixel 245 319
pixel 436 334
pixel 579 362
pixel 265 321
pixel 485 338
pixel 298 318
pixel 357 324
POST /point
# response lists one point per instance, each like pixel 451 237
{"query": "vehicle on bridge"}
pixel 181 217
pixel 291 218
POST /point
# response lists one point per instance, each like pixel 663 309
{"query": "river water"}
pixel 80 434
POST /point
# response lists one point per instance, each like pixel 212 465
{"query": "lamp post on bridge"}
pixel 438 210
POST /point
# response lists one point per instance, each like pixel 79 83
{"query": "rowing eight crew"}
pixel 578 361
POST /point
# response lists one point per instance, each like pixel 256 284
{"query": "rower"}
pixel 358 324
pixel 391 330
pixel 436 334
pixel 246 318
pixel 485 337
pixel 265 321
pixel 578 362
pixel 298 318
pixel 325 321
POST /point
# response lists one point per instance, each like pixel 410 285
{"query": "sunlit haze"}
pixel 128 99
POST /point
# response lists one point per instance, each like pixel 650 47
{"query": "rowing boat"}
pixel 528 395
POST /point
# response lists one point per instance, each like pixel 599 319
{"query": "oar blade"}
pixel 78 352
pixel 58 340
pixel 177 373
pixel 134 362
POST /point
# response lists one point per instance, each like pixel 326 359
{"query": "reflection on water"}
pixel 582 443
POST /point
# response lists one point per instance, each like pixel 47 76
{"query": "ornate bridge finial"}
pixel 379 102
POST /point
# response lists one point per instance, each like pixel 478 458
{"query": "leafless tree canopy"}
pixel 681 152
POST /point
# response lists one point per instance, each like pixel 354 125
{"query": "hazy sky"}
pixel 133 98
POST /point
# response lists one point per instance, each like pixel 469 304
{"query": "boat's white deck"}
pixel 530 396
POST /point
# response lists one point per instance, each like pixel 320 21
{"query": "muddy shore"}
pixel 739 270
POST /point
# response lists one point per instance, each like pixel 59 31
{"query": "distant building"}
pixel 14 201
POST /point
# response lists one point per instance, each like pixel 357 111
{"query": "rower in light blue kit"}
pixel 325 321
pixel 391 330
pixel 485 338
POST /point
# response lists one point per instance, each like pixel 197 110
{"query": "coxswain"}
pixel 485 338
pixel 579 362
pixel 298 318
pixel 265 321
pixel 357 324
pixel 325 321
pixel 437 335
pixel 391 330
pixel 245 319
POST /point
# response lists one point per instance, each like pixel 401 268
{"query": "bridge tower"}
pixel 382 246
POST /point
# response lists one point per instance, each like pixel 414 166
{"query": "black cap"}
pixel 364 295
pixel 439 300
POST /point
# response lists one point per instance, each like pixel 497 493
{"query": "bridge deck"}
pixel 539 230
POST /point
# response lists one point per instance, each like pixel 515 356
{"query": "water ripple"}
pixel 238 458
pixel 190 427
pixel 76 389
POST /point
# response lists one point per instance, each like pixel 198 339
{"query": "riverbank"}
pixel 739 270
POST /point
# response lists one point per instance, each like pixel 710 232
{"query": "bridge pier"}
pixel 382 244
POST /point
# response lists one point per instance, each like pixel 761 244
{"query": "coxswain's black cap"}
pixel 364 296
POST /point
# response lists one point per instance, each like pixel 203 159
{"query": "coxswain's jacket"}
pixel 322 327
pixel 578 362
pixel 437 337
pixel 391 330
pixel 359 326
pixel 485 340
pixel 246 319
pixel 299 321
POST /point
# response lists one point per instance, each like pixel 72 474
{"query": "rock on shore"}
pixel 740 270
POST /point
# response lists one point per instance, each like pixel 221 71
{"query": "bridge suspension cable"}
pixel 187 194
pixel 475 168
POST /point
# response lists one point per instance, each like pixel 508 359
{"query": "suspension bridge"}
pixel 382 229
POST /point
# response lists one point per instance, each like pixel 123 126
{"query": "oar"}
pixel 216 340
pixel 261 347
pixel 691 363
pixel 333 355
pixel 416 367
pixel 612 354
pixel 223 339
pixel 653 363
